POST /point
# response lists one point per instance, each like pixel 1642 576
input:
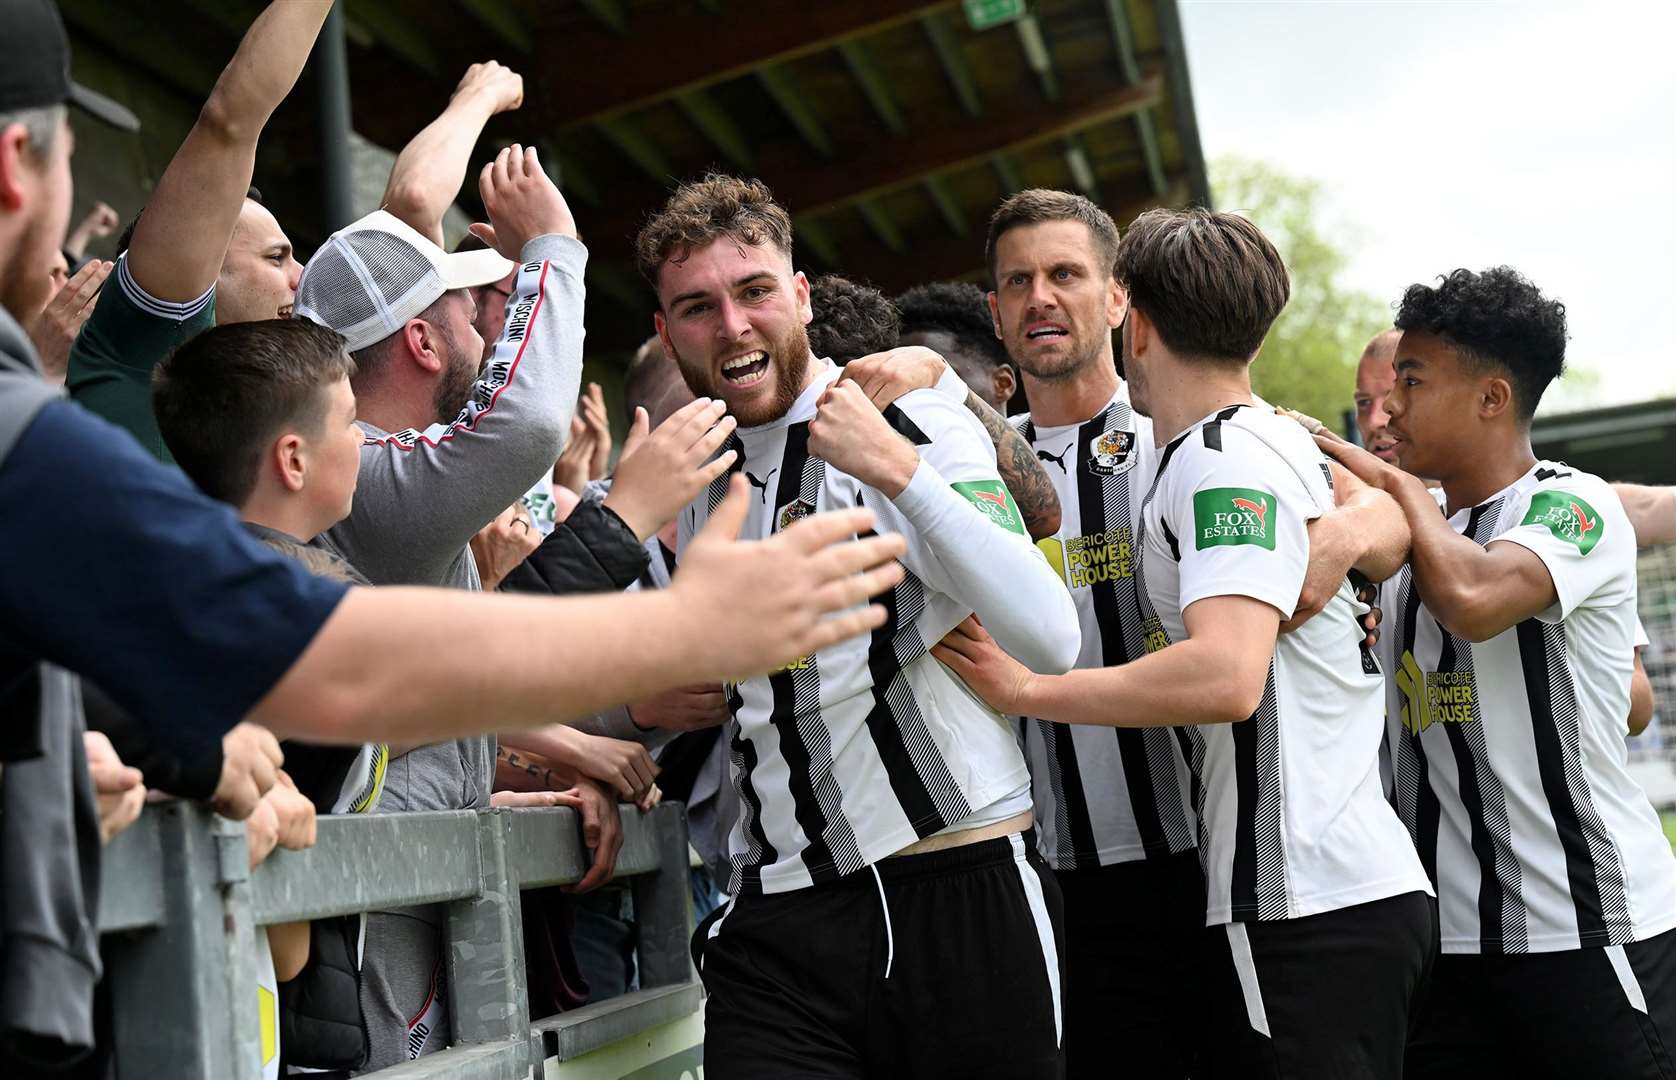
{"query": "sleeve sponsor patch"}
pixel 1227 516
pixel 1567 516
pixel 992 498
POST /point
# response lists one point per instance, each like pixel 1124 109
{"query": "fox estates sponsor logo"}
pixel 1567 517
pixel 994 501
pixel 1224 516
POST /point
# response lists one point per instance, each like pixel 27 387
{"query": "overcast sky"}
pixel 1462 133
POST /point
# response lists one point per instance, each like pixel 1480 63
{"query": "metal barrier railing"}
pixel 179 910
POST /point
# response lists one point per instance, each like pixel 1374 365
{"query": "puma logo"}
pixel 1256 508
pixel 762 485
pixel 1059 460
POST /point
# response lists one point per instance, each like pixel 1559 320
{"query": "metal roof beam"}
pixel 503 20
pixel 778 83
pixel 946 205
pixel 865 70
pixel 945 42
pixel 717 126
pixel 1036 54
pixel 1123 40
pixel 697 49
pixel 880 224
pixel 873 168
pixel 609 12
pixel 636 147
pixel 396 32
pixel 1007 173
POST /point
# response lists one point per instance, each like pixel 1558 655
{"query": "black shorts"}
pixel 1132 935
pixel 1325 996
pixel 1606 1013
pixel 946 964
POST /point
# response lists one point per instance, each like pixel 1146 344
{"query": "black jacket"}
pixel 590 551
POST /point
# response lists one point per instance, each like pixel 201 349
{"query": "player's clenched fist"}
pixel 850 434
pixel 755 607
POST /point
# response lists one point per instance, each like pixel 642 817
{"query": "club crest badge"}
pixel 1112 453
pixel 791 513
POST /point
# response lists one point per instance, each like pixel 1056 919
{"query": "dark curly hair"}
pixel 1495 318
pixel 957 308
pixel 851 319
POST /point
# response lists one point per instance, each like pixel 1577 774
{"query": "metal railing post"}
pixel 662 902
pixel 488 995
pixel 178 986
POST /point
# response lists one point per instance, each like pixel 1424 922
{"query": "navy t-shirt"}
pixel 118 569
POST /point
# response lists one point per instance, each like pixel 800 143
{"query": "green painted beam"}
pixel 945 42
pixel 1123 41
pixel 396 32
pixel 502 18
pixel 1036 54
pixel 636 147
pixel 813 234
pixel 778 83
pixel 881 225
pixel 865 70
pixel 717 126
pixel 946 204
pixel 1007 173
pixel 1082 169
pixel 569 176
pixel 609 12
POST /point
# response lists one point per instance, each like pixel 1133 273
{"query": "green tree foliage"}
pixel 1308 362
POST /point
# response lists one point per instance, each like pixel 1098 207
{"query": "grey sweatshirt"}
pixel 422 495
pixel 420 498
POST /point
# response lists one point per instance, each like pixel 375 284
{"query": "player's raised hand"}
pixel 972 654
pixel 669 467
pixel 758 606
pixel 850 434
pixel 886 376
pixel 498 85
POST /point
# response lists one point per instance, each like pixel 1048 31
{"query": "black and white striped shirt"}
pixel 1103 795
pixel 851 754
pixel 1292 820
pixel 1510 766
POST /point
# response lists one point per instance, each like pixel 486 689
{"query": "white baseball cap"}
pixel 371 277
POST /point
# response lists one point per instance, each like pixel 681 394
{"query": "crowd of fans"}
pixel 244 443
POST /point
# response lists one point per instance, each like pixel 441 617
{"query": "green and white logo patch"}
pixel 1227 516
pixel 1567 517
pixel 995 501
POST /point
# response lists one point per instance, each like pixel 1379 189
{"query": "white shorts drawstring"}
pixel 890 940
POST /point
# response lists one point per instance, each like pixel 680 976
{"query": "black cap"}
pixel 35 65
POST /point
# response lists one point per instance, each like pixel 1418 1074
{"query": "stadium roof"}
pixel 890 128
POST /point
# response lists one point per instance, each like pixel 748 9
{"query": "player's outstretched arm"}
pixel 1367 532
pixel 1216 676
pixel 433 664
pixel 1475 592
pixel 886 376
pixel 1652 510
pixel 182 237
pixel 427 174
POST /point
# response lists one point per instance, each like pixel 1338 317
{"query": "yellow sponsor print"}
pixel 1434 697
pixel 1156 636
pixel 802 663
pixel 1096 557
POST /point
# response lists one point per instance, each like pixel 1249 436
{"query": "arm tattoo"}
pixel 1023 474
pixel 538 773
